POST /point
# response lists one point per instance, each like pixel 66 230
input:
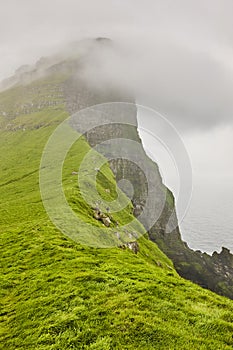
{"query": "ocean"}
pixel 208 224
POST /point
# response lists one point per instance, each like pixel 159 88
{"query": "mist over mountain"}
pixel 110 114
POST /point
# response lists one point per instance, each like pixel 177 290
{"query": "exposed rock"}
pixel 106 221
pixel 213 272
pixel 225 257
pixel 131 245
pixel 122 246
pixel 98 215
pixel 137 210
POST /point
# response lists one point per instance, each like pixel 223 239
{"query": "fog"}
pixel 173 56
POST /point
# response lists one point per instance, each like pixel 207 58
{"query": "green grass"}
pixel 59 294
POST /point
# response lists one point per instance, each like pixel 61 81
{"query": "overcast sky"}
pixel 177 57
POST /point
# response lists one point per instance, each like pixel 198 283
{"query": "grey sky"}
pixel 176 56
pixel 179 54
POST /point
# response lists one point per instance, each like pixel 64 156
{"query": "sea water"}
pixel 208 224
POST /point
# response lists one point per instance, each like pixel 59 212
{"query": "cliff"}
pixel 75 93
pixel 60 293
pixel 213 272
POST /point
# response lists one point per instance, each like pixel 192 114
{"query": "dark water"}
pixel 208 224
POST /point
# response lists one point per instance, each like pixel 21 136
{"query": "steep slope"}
pixel 58 294
pixel 212 272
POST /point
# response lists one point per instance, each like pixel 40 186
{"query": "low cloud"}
pixel 192 89
pixel 173 56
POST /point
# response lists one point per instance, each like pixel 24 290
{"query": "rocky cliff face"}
pixel 213 272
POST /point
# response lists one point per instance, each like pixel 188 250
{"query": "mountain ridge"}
pixel 58 294
pixel 74 93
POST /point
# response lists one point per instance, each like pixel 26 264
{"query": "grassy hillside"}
pixel 58 294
